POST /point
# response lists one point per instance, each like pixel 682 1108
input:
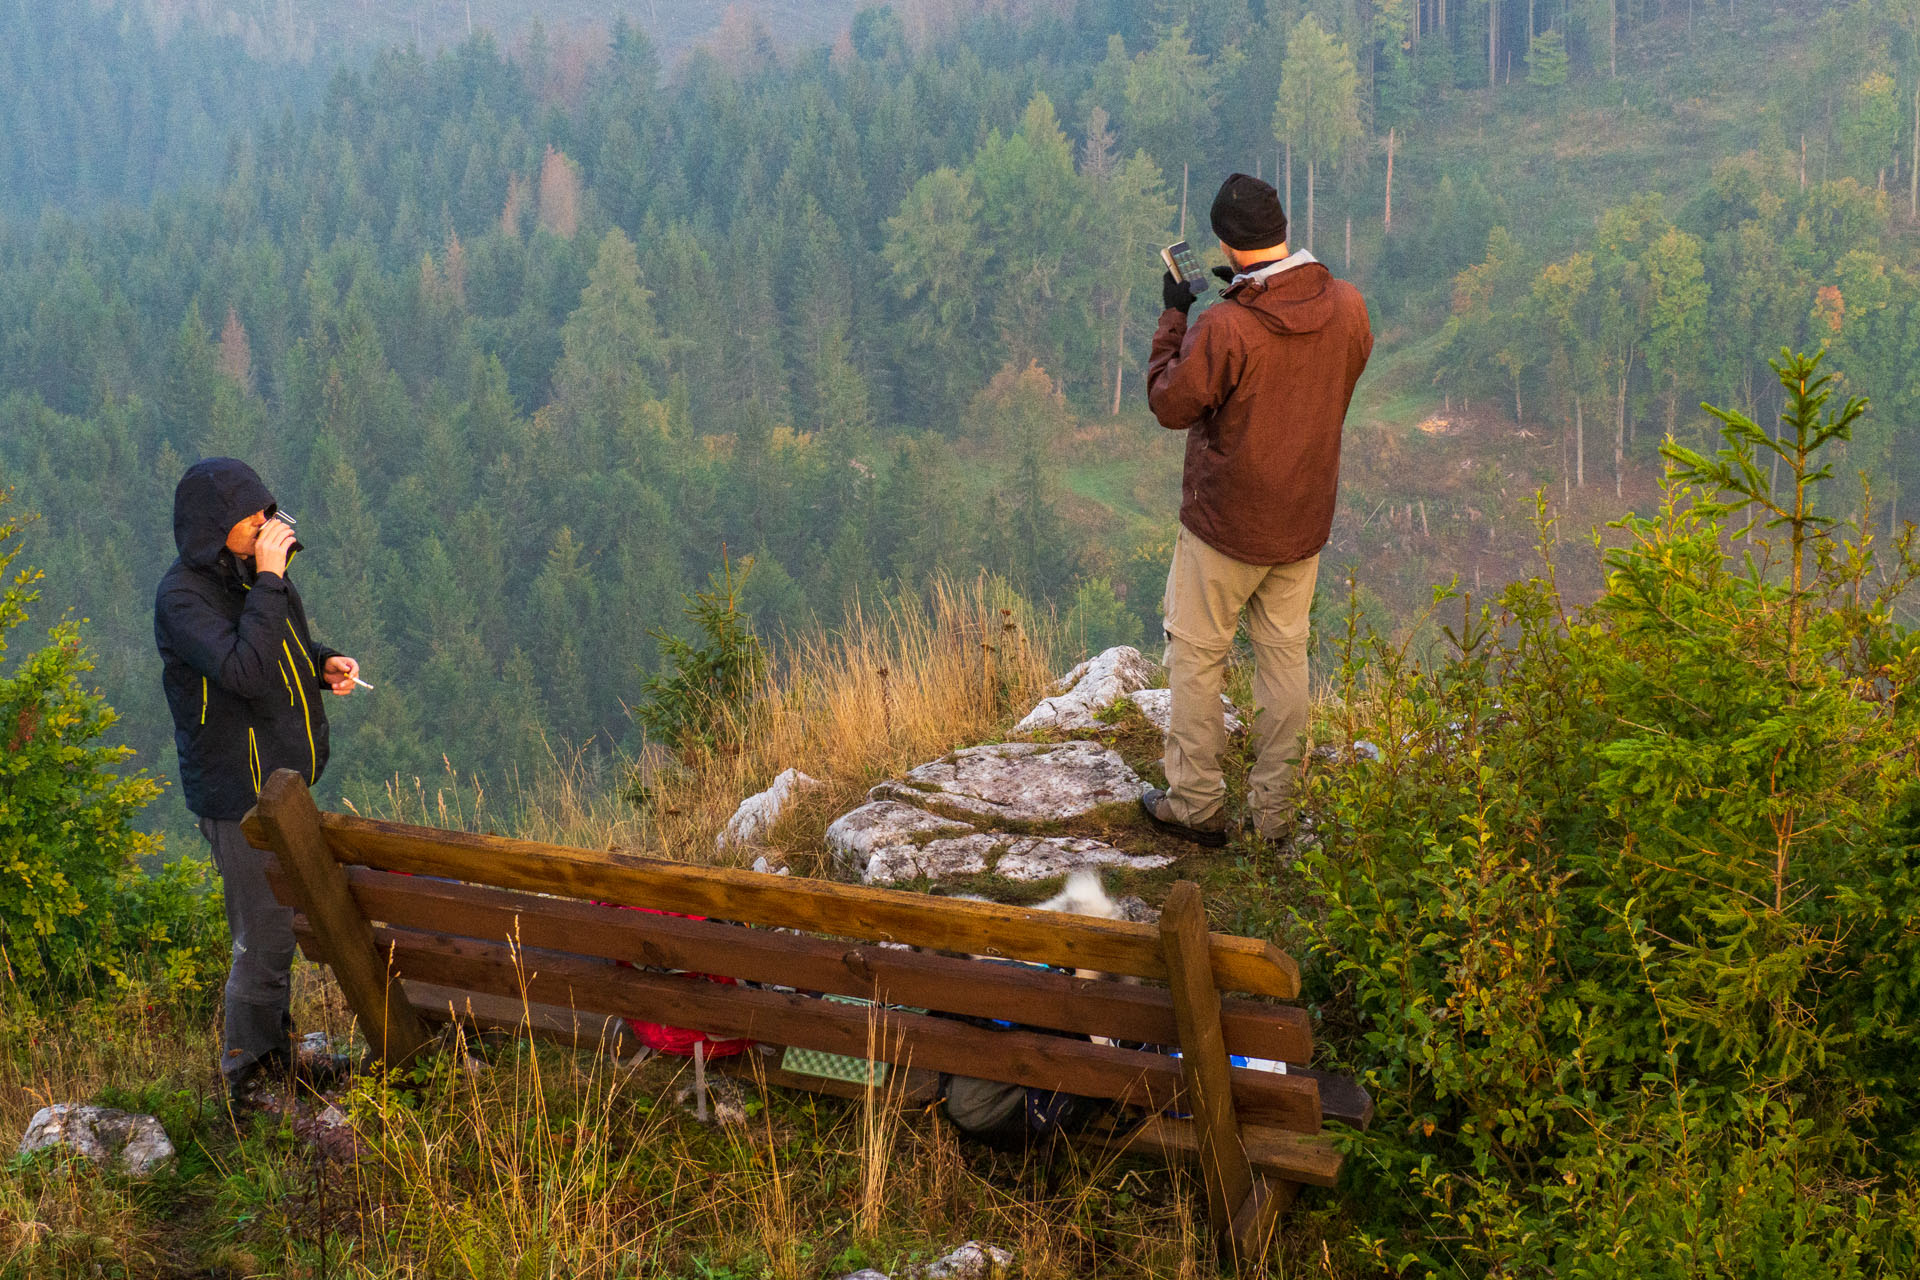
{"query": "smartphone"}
pixel 1185 265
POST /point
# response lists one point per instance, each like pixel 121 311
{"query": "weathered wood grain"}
pixel 818 906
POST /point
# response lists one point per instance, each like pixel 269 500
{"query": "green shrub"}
pixel 1623 920
pixel 1098 619
pixel 75 906
pixel 699 703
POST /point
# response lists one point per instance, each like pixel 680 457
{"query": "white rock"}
pixel 756 815
pixel 971 1261
pixel 1022 858
pixel 1048 857
pixel 766 868
pixel 1089 688
pixel 938 860
pixel 855 835
pixel 1019 781
pixel 136 1144
pixel 867 1273
pixel 1157 706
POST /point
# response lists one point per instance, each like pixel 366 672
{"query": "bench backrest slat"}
pixel 950 984
pixel 937 1044
pixel 819 906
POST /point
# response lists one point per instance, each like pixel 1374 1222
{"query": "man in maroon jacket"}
pixel 1260 384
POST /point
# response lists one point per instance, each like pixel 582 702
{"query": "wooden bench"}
pixel 423 926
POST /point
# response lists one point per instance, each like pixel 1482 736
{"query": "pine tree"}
pixel 1318 107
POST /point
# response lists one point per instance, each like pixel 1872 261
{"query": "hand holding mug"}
pixel 271 547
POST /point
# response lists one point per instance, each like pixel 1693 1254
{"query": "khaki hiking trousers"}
pixel 1206 592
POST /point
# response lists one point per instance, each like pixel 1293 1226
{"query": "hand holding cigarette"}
pixel 342 673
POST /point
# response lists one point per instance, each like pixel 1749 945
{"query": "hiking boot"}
pixel 251 1092
pixel 322 1071
pixel 316 1065
pixel 1153 803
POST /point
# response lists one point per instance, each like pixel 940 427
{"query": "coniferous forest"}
pixel 535 332
pixel 673 397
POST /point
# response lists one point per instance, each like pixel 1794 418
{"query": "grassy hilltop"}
pixel 538 340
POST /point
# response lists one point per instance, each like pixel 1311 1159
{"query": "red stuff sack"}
pixel 661 1038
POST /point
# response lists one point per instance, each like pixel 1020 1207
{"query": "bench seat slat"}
pixel 952 984
pixel 1307 1158
pixel 1298 1157
pixel 950 924
pixel 936 1044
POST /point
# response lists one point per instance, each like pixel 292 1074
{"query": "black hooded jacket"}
pixel 242 673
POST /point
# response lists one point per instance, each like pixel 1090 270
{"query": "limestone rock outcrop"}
pixel 1090 688
pixel 1019 781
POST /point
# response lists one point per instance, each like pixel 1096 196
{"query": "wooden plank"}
pixel 1341 1099
pixel 1298 1157
pixel 288 825
pixel 602 1033
pixel 820 906
pixel 593 1032
pixel 1196 1006
pixel 1259 1214
pixel 936 1044
pixel 1032 997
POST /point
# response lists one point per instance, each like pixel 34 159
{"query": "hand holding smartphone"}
pixel 1181 260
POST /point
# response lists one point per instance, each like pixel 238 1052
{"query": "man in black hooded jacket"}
pixel 243 678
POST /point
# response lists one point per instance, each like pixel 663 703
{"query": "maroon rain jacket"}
pixel 1261 384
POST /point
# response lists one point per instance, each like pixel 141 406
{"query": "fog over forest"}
pixel 537 330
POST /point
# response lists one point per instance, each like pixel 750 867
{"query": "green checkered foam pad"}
pixel 836 1066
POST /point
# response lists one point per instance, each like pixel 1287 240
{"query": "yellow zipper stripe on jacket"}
pixel 283 677
pixel 313 752
pixel 303 649
pixel 253 759
pixel 203 699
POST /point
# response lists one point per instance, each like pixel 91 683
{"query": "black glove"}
pixel 1176 295
pixel 1226 274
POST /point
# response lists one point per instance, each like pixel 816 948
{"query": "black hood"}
pixel 214 495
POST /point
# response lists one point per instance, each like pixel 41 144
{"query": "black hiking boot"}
pixel 1153 803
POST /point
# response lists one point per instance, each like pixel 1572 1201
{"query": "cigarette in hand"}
pixel 362 683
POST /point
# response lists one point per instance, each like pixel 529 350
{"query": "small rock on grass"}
pixel 330 1132
pixel 971 1261
pixel 867 1273
pixel 756 815
pixel 137 1145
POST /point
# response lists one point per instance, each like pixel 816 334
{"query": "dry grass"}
pixel 892 687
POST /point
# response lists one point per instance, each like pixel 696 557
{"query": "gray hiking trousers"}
pixel 259 985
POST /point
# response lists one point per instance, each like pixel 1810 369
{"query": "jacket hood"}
pixel 1297 300
pixel 214 495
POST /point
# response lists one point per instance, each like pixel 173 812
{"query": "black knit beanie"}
pixel 1247 214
